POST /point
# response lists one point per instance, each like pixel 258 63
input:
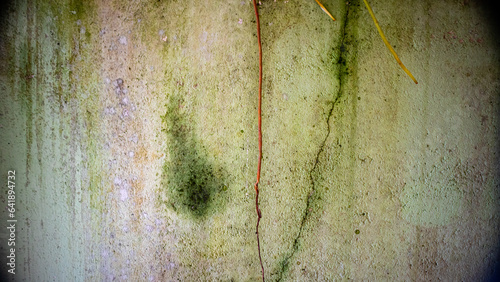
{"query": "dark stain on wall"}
pixel 193 186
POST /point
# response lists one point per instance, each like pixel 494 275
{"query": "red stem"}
pixel 259 111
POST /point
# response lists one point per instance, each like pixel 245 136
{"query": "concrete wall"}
pixel 132 128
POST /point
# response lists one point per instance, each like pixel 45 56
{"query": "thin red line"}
pixel 259 112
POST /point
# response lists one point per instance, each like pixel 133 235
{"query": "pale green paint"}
pixel 361 167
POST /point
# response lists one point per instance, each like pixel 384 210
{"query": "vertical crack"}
pixel 307 211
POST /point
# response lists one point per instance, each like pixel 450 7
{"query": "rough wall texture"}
pixel 131 126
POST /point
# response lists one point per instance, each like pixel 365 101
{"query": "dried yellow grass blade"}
pixel 325 10
pixel 387 43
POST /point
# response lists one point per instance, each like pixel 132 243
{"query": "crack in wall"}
pixel 307 211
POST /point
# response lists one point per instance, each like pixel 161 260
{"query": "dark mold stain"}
pixel 193 185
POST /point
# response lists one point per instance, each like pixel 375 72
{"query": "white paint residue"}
pixel 123 40
pixel 123 194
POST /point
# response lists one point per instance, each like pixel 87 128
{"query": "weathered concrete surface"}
pixel 131 126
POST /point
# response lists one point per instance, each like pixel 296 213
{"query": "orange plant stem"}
pixel 259 112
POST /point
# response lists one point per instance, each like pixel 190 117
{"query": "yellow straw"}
pixel 386 42
pixel 325 10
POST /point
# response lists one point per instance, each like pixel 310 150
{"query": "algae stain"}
pixel 345 73
pixel 193 186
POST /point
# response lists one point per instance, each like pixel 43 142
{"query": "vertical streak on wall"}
pixel 52 205
pixel 13 119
